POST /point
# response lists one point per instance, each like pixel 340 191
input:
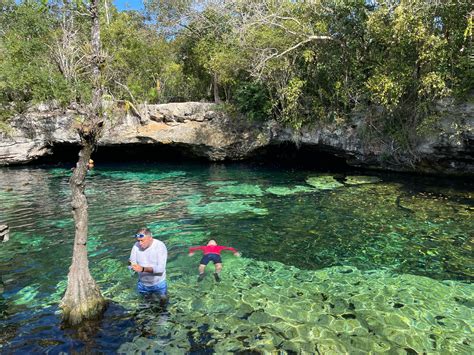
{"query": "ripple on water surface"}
pixel 335 264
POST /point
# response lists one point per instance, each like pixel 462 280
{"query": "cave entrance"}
pixel 68 153
pixel 313 157
pixel 285 155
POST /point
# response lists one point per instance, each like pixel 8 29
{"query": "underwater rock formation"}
pixel 202 130
pixel 270 307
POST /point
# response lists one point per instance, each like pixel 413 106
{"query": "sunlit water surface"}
pixel 330 262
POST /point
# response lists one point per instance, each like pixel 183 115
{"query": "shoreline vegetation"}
pixel 300 63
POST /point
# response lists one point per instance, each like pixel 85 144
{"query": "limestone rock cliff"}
pixel 205 131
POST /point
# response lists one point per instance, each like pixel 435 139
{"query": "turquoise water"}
pixel 334 263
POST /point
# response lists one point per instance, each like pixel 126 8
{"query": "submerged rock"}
pixel 226 207
pixel 241 189
pixel 332 310
pixel 323 182
pixel 358 180
pixel 284 191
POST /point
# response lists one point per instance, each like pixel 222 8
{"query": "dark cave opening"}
pixel 313 157
pixel 68 153
pixel 285 155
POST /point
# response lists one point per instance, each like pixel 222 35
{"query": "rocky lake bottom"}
pixel 346 262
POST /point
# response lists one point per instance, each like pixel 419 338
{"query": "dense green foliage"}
pixel 25 73
pixel 297 61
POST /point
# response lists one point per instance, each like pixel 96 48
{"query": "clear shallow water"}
pixel 333 266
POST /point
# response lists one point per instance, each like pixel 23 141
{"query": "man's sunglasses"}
pixel 139 236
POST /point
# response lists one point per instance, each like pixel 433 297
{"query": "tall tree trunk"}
pixel 215 85
pixel 83 299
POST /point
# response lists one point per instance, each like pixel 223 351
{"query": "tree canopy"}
pixel 300 62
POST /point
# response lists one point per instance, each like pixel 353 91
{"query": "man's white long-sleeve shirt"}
pixel 155 257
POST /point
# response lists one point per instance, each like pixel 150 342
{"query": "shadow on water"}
pixel 7 332
pixel 43 332
pixel 148 318
pixel 117 323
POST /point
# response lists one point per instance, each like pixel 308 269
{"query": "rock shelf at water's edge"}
pixel 202 130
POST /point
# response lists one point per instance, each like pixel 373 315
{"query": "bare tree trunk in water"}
pixel 215 85
pixel 83 299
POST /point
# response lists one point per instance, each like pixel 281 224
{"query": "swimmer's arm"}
pixel 193 249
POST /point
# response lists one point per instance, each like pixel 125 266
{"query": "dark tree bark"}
pixel 83 299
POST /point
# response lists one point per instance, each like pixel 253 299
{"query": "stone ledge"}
pixel 209 133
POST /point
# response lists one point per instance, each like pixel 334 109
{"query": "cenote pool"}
pixel 331 263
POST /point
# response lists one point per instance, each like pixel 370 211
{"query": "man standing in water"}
pixel 148 259
pixel 212 252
